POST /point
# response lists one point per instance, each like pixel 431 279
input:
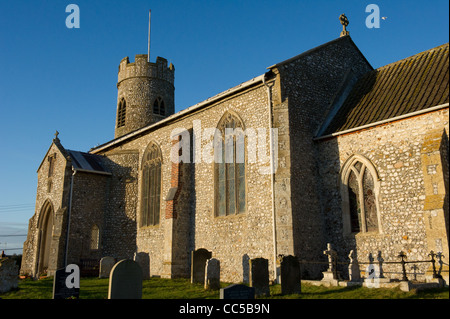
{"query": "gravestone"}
pixel 125 280
pixel 259 276
pixel 212 274
pixel 106 264
pixel 66 283
pixel 290 275
pixel 245 268
pixel 143 259
pixel 237 291
pixel 331 276
pixel 353 268
pixel 198 263
pixel 9 274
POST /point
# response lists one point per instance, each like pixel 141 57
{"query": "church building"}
pixel 321 148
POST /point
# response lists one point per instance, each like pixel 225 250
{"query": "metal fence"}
pixel 435 260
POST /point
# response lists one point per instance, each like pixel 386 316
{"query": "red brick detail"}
pixel 175 181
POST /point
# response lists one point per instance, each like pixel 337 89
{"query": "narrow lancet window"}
pixel 151 186
pixel 121 113
pixel 230 168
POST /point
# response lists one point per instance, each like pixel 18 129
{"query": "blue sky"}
pixel 55 78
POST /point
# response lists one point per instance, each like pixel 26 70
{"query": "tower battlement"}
pixel 142 68
pixel 145 93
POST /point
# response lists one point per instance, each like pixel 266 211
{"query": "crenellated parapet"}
pixel 142 68
pixel 145 93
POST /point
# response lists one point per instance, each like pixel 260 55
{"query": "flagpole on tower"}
pixel 149 23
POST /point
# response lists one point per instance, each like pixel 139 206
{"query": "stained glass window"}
pixel 370 208
pixel 355 208
pixel 230 168
pixel 151 186
pixel 362 199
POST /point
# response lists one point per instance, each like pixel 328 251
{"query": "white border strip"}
pixel 392 119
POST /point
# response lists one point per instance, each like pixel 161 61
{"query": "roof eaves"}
pixel 179 114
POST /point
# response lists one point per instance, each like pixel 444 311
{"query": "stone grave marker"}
pixel 331 275
pixel 290 275
pixel 198 263
pixel 212 274
pixel 237 291
pixel 143 259
pixel 106 264
pixel 125 280
pixel 9 274
pixel 353 267
pixel 66 283
pixel 259 276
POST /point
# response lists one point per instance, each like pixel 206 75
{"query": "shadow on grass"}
pixel 157 288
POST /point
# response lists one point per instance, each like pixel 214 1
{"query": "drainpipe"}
pixel 272 179
pixel 74 171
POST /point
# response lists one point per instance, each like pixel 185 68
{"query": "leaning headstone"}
pixel 353 268
pixel 66 283
pixel 198 263
pixel 290 275
pixel 125 280
pixel 259 276
pixel 237 291
pixel 106 264
pixel 212 274
pixel 9 274
pixel 143 259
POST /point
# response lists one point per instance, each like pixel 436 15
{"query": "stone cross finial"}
pixel 344 21
pixel 56 139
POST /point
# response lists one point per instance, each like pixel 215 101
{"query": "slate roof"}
pixel 409 85
pixel 87 162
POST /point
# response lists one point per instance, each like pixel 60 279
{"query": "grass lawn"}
pixel 157 288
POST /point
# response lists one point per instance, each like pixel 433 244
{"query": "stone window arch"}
pixel 360 187
pixel 159 106
pixel 121 113
pixel 230 181
pixel 95 237
pixel 151 186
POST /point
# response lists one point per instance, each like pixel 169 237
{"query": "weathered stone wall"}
pixel 119 233
pixel 232 239
pixel 395 150
pixel 308 85
pixel 88 207
pixel 51 192
pixel 140 83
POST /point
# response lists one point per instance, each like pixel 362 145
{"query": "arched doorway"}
pixel 45 233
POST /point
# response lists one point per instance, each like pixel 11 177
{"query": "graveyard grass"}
pixel 158 288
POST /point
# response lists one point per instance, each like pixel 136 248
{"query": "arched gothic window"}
pixel 159 107
pixel 359 190
pixel 121 113
pixel 95 237
pixel 230 167
pixel 151 186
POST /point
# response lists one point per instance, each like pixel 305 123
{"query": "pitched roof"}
pixel 87 162
pixel 345 40
pixel 409 85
